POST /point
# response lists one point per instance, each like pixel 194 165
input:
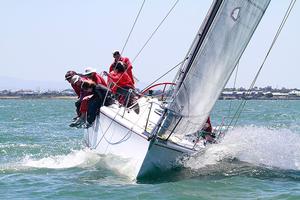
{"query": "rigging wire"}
pixel 139 12
pixel 219 130
pixel 165 73
pixel 155 31
pixel 133 26
pixel 243 103
pixel 234 83
pixel 146 41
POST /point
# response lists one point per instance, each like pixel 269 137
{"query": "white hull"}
pixel 118 140
pixel 112 133
pixel 162 156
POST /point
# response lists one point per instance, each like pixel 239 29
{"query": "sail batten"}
pixel 218 46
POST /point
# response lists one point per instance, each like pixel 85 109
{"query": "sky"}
pixel 42 39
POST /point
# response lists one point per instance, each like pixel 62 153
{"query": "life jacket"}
pixel 120 79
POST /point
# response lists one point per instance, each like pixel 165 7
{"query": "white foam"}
pixel 82 158
pixel 78 158
pixel 124 166
pixel 255 145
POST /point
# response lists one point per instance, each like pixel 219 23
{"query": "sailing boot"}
pixel 78 122
pixel 75 118
pixel 86 125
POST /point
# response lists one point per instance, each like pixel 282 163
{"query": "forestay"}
pixel 215 52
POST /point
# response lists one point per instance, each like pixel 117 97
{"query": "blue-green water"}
pixel 42 158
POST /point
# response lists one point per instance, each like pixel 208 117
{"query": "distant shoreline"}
pixel 75 97
pixel 38 97
pixel 267 93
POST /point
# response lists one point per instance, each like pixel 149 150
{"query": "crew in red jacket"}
pixel 119 78
pixel 101 97
pixel 207 126
pixel 207 132
pixel 126 62
pixel 85 95
pixel 68 77
pixel 121 84
pixel 82 101
pixel 91 74
pixel 74 79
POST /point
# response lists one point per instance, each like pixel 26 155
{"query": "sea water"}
pixel 41 157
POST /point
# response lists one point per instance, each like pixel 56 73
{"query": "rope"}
pixel 112 120
pixel 107 127
pixel 133 26
pixel 155 31
pixel 243 103
pixel 123 139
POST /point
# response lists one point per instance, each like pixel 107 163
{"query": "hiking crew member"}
pixel 86 95
pixel 207 131
pixel 127 64
pixel 92 90
pixel 100 93
pixel 68 78
pixel 73 78
pixel 91 74
pixel 207 126
pixel 80 104
pixel 121 84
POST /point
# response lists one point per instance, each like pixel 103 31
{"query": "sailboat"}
pixel 158 137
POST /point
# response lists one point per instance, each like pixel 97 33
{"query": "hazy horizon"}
pixel 63 85
pixel 41 40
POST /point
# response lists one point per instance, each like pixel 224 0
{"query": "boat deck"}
pixel 141 123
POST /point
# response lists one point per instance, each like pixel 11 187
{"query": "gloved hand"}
pixel 105 73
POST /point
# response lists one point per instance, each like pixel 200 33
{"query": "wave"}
pixel 106 170
pixel 243 149
pixel 246 150
pixel 84 158
pixel 258 146
pixel 77 158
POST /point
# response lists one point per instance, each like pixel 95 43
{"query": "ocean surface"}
pixel 41 157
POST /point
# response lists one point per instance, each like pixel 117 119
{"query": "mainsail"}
pixel 215 52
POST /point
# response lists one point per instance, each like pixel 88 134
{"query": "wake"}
pixel 258 146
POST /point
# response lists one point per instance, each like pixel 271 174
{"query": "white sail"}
pixel 213 56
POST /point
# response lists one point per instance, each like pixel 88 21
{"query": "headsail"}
pixel 213 56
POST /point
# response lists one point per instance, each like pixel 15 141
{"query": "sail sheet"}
pixel 216 50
